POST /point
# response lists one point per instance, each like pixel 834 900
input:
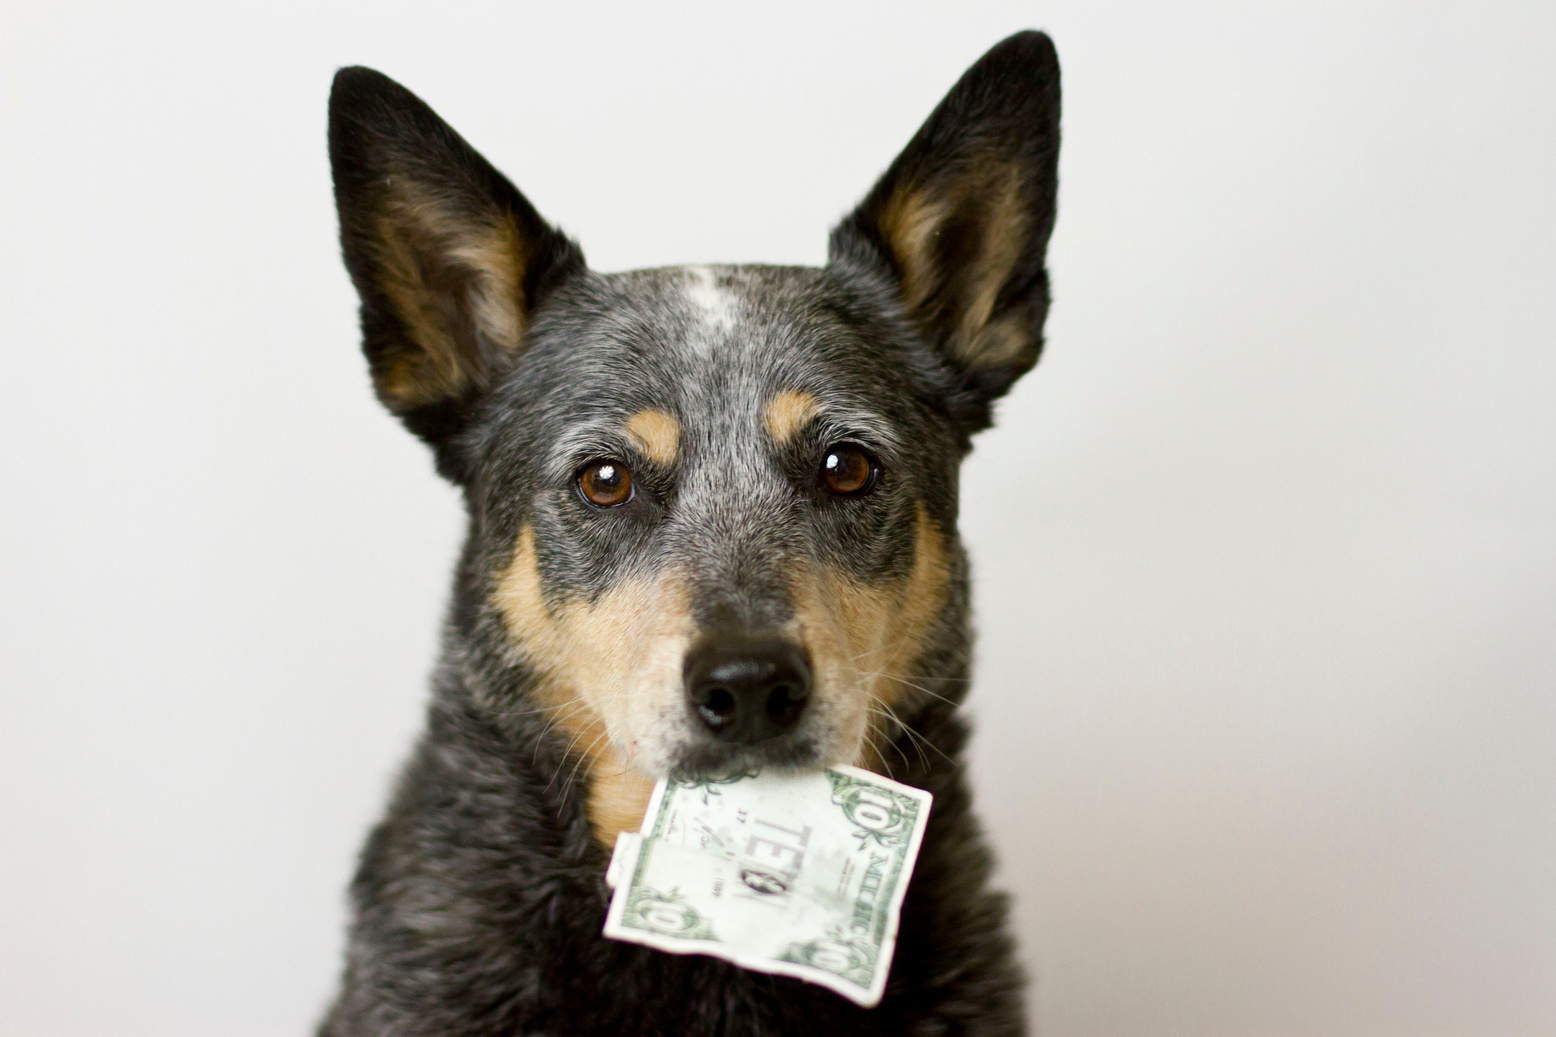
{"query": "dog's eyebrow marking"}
pixel 788 412
pixel 655 433
pixel 708 297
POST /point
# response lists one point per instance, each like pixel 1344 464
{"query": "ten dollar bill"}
pixel 794 874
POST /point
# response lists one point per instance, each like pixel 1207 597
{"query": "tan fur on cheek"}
pixel 864 638
pixel 787 413
pixel 655 433
pixel 618 799
pixel 589 661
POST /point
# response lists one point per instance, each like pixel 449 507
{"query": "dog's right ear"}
pixel 959 223
pixel 448 257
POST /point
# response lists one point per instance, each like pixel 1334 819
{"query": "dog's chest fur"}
pixel 667 470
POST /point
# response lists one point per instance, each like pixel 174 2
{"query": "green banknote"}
pixel 794 874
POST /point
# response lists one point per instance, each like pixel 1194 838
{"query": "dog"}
pixel 712 528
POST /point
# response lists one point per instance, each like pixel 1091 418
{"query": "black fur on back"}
pixel 480 898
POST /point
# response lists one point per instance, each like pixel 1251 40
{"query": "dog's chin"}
pixel 709 759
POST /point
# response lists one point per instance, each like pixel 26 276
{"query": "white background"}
pixel 1266 546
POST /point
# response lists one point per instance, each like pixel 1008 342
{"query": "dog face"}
pixel 726 506
pixel 713 508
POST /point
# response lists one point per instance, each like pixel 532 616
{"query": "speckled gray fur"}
pixel 480 897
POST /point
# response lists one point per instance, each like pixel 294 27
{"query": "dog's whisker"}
pixel 560 717
pixel 587 754
pixel 549 708
pixel 922 677
pixel 916 737
pixel 907 680
pixel 921 689
pixel 887 650
pixel 875 735
pixel 565 753
pixel 894 743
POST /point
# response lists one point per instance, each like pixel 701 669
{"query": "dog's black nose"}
pixel 747 690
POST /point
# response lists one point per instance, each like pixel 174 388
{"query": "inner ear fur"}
pixel 449 259
pixel 960 221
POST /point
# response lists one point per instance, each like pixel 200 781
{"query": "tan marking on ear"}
pixel 496 253
pixel 787 413
pixel 911 222
pixel 865 638
pixel 456 283
pixel 1002 342
pixel 600 667
pixel 1004 236
pixel 655 433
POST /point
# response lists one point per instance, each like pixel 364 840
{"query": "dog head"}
pixel 713 508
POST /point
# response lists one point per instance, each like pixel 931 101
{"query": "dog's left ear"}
pixel 960 222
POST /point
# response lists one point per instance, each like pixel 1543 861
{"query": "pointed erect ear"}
pixel 960 222
pixel 449 259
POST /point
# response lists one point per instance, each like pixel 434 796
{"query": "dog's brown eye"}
pixel 847 470
pixel 606 484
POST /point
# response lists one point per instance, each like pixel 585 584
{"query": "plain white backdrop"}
pixel 1265 547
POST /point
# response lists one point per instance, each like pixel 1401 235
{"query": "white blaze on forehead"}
pixel 717 307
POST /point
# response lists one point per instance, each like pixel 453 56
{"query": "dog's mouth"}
pixel 704 760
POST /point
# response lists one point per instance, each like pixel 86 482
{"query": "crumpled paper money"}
pixel 794 874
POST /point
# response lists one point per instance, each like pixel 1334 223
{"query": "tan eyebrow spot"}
pixel 788 412
pixel 655 433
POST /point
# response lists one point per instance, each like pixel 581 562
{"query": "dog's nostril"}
pixel 716 707
pixel 747 689
pixel 784 704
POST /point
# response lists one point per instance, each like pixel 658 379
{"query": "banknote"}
pixel 794 874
